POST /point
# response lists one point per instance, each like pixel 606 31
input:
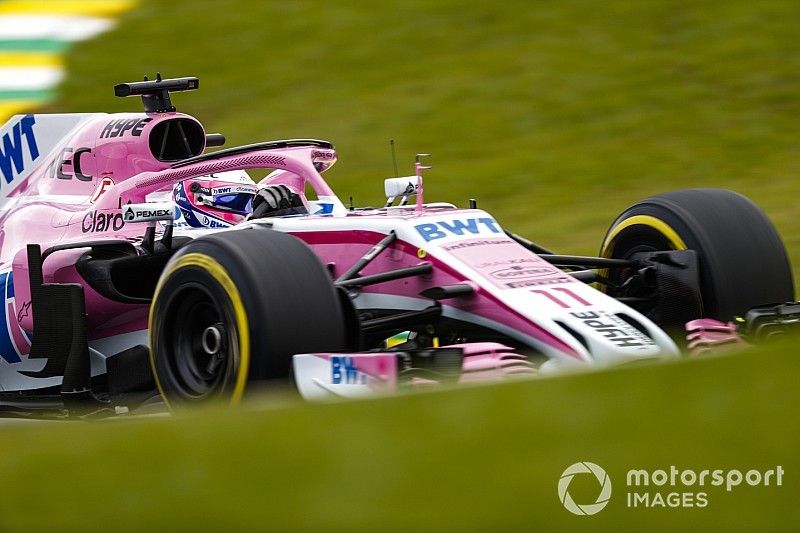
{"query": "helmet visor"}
pixel 241 203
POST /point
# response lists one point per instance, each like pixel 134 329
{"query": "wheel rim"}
pixel 200 345
pixel 632 243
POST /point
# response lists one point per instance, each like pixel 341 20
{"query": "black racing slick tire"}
pixel 742 260
pixel 232 308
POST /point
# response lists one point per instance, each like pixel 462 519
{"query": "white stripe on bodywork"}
pixel 99 351
pixel 406 303
pixel 113 345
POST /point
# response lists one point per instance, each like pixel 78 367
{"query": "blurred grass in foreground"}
pixel 485 458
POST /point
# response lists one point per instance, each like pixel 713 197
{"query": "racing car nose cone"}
pixel 211 340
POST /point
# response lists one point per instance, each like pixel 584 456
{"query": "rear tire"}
pixel 232 308
pixel 742 260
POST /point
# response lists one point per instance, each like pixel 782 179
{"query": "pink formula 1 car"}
pixel 136 264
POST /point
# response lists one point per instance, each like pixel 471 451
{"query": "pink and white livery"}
pixel 136 264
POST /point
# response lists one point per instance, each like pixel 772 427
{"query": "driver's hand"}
pixel 276 200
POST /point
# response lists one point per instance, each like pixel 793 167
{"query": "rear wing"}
pixel 27 141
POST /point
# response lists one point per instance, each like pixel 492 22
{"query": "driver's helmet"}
pixel 219 200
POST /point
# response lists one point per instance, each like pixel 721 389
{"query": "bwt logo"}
pixel 458 227
pixel 11 152
pixel 344 370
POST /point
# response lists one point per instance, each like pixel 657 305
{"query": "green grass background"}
pixel 556 116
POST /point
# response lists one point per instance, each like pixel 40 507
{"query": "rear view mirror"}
pixel 406 186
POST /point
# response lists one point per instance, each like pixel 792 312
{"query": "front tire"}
pixel 232 308
pixel 742 260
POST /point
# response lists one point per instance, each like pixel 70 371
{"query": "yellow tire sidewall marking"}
pixel 650 221
pixel 657 224
pixel 218 272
